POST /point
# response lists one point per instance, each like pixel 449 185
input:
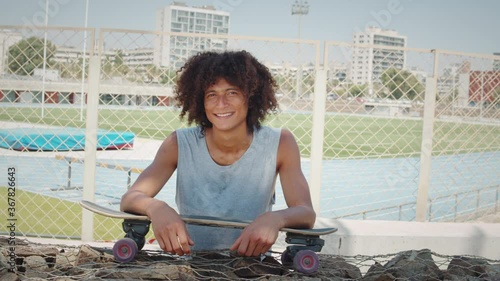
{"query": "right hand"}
pixel 169 229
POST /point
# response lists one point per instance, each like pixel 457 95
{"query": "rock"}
pixel 414 264
pixel 67 257
pixel 468 267
pixel 338 267
pixel 254 267
pixel 88 254
pixel 377 272
pixel 26 251
pixel 157 272
pixel 35 263
pixel 6 275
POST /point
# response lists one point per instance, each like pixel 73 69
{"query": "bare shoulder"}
pixel 288 149
pixel 287 138
pixel 170 140
pixel 168 149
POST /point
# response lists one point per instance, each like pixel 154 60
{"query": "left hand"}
pixel 258 237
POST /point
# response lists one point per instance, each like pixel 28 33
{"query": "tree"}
pixel 357 91
pixel 118 63
pixel 331 84
pixel 114 66
pixel 27 55
pixel 401 83
pixel 168 76
pixel 72 69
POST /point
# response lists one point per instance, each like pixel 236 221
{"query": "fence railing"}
pixel 409 126
pixel 127 169
pixel 405 210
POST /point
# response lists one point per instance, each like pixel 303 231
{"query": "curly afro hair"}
pixel 238 68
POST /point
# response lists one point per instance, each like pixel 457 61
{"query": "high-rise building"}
pixel 171 50
pixel 369 62
pixel 496 63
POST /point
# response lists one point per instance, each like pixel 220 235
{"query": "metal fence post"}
pixel 317 137
pixel 426 147
pixel 90 146
pixel 69 174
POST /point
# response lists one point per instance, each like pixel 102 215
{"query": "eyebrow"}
pixel 228 89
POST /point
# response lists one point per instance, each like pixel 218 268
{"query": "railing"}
pixel 492 207
pixel 477 208
pixel 117 167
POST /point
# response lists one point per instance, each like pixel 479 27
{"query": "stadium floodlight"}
pixel 299 8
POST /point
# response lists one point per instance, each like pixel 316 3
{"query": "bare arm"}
pixel 141 195
pixel 259 236
pixel 300 212
pixel 169 229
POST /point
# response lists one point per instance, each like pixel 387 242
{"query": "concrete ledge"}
pixel 358 237
pixel 371 238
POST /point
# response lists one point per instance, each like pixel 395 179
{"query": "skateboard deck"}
pixel 198 220
pixel 300 253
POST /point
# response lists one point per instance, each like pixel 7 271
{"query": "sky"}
pixel 470 26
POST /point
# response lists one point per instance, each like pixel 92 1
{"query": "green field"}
pixel 345 136
pixel 47 216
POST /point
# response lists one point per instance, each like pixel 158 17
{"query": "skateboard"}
pixel 303 244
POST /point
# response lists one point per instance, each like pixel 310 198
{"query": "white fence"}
pixel 417 140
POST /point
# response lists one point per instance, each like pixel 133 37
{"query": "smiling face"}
pixel 225 106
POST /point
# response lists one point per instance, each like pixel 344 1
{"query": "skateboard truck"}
pixel 302 252
pixel 127 248
pixel 136 230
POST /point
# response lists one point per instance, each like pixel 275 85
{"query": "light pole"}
pixel 84 56
pixel 299 8
pixel 44 66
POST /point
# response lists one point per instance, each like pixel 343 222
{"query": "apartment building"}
pixel 375 51
pixel 172 50
pixel 496 63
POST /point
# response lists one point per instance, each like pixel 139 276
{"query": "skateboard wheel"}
pixel 125 250
pixel 306 261
pixel 286 258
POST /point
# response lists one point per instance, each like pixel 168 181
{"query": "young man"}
pixel 227 165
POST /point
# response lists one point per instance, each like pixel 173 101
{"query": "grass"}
pixel 52 217
pixel 345 136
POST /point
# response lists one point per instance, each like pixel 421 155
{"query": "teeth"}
pixel 223 115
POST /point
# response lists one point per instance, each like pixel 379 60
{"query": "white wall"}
pixel 369 237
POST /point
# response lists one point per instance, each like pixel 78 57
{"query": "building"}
pixel 173 50
pixel 483 87
pixel 7 39
pixel 452 83
pixel 69 54
pixel 496 63
pixel 370 61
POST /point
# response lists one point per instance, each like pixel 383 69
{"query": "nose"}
pixel 222 100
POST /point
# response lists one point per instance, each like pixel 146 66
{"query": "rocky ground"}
pixel 34 261
pixel 61 262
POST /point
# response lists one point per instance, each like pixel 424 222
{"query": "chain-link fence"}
pixel 58 262
pixel 410 121
pixel 384 132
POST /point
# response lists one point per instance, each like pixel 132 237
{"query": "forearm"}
pixel 139 203
pixel 301 216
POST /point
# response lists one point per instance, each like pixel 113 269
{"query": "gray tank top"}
pixel 243 190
